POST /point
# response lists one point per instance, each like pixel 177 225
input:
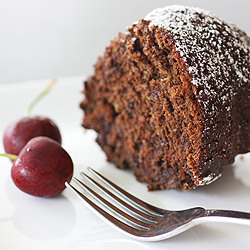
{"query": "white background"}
pixel 50 38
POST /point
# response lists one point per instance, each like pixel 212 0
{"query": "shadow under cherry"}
pixel 41 218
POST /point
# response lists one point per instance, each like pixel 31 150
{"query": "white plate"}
pixel 28 222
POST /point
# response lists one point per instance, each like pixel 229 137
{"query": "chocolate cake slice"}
pixel 170 98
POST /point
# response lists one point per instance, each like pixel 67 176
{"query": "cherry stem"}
pixel 10 156
pixel 40 96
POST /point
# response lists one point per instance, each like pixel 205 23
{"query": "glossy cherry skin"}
pixel 20 132
pixel 42 168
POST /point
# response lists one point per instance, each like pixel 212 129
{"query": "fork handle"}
pixel 228 216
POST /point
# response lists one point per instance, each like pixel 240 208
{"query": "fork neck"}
pixel 229 216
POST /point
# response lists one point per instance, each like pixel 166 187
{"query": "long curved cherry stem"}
pixel 40 96
pixel 10 156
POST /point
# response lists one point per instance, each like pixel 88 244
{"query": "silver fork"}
pixel 139 219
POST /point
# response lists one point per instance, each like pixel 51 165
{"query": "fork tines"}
pixel 117 206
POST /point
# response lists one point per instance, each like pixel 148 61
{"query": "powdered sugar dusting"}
pixel 209 179
pixel 213 50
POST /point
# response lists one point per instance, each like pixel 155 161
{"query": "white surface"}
pixel 50 38
pixel 30 223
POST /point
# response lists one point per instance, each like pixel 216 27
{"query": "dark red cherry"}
pixel 20 132
pixel 42 168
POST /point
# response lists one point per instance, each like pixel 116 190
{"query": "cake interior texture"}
pixel 145 109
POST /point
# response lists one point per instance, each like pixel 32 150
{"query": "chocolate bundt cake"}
pixel 170 98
